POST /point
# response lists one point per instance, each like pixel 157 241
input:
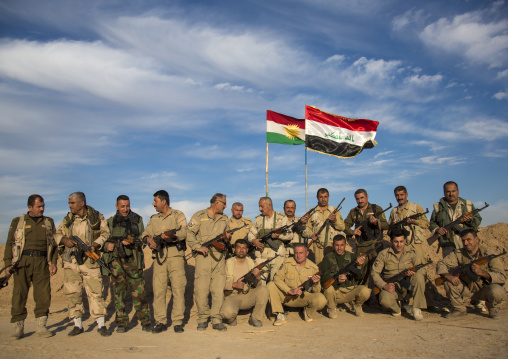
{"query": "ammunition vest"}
pixel 264 231
pixel 94 230
pixel 443 218
pixel 19 238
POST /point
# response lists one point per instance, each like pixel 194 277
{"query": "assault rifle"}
pixel 323 226
pixel 249 278
pixel 4 281
pixel 307 285
pixel 365 225
pixel 451 226
pixel 90 253
pixel 117 241
pixel 350 267
pixel 404 221
pixel 161 243
pixel 219 242
pixel 400 277
pixel 466 268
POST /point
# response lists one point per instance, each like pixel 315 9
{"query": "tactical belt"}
pixel 35 253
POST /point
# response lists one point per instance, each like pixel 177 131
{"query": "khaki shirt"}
pixel 459 257
pixel 387 264
pixel 317 219
pixel 356 217
pixel 416 230
pixel 81 228
pixel 232 275
pixel 242 233
pixel 203 227
pixel 291 275
pixel 159 223
pixel 298 233
pixel 280 220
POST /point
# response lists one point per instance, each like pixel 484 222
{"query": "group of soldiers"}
pixel 244 265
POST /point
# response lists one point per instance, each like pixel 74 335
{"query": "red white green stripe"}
pixel 284 129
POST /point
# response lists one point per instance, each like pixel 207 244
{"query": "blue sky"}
pixel 129 97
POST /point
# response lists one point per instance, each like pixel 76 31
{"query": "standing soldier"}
pixel 289 211
pixel 369 222
pixel 210 275
pixel 125 257
pixel 91 227
pixel 265 223
pixel 448 209
pixel 30 247
pixel 168 228
pixel 237 220
pixel 323 244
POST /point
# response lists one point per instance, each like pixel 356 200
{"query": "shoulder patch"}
pixel 190 224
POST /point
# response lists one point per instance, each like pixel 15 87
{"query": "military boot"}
pixel 41 330
pixel 18 330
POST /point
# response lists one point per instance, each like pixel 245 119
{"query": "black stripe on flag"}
pixel 343 149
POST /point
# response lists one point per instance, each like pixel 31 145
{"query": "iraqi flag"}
pixel 336 135
pixel 284 129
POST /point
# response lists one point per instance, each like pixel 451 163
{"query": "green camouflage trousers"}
pixel 127 274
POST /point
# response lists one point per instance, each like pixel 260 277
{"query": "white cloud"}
pixel 288 184
pixel 502 74
pixel 423 80
pixel 381 154
pixel 472 36
pixel 436 160
pixel 410 17
pixel 335 59
pixel 500 96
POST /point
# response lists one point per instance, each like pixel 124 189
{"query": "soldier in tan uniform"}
pixel 237 220
pixel 169 263
pixel 265 223
pixel 298 230
pixel 289 280
pixel 392 261
pixel 448 209
pixel 323 245
pixel 242 296
pixel 210 275
pixel 491 277
pixel 31 242
pixel 91 227
pixel 369 222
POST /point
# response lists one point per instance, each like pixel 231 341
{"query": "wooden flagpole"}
pixel 306 197
pixel 267 169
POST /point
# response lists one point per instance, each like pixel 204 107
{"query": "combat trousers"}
pixel 209 278
pixel 33 270
pixel 256 297
pixel 492 294
pixel 311 301
pixel 273 267
pixel 429 285
pixel 363 247
pixel 320 251
pixel 417 296
pixel 128 275
pixel 173 270
pixel 75 276
pixel 359 294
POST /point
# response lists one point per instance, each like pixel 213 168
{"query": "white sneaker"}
pixel 417 314
pixel 281 319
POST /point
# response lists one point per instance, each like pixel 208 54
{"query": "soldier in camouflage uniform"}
pixel 124 256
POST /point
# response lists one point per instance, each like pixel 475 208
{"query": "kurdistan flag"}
pixel 284 129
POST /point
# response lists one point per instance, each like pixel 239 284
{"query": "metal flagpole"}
pixel 266 169
pixel 306 198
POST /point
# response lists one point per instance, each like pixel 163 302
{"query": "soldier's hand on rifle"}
pixel 125 242
pixel 409 273
pixel 304 219
pixel 109 247
pixel 411 220
pixel 228 235
pixel 151 243
pixel 358 231
pixel 52 269
pixel 256 272
pixel 257 243
pixel 315 279
pixel 454 279
pixel 314 237
pixel 442 232
pixel 96 247
pixel 275 235
pixel 360 261
pixel 332 217
pixel 203 250
pixel 342 278
pixel 479 271
pixel 373 220
pixel 467 217
pixel 295 291
pixel 389 287
pixel 67 242
pixel 8 271
pixel 238 285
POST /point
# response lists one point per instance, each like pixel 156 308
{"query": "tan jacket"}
pixel 280 220
pixel 242 233
pixel 230 271
pixel 289 277
pixel 416 230
pixel 203 227
pixel 387 264
pixel 317 219
pixel 159 223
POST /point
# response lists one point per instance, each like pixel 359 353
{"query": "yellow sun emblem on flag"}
pixel 292 131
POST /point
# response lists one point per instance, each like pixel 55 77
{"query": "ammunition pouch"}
pixel 80 256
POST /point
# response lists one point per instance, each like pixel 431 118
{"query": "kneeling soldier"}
pixel 297 285
pixel 393 261
pixel 489 281
pixel 242 296
pixel 344 288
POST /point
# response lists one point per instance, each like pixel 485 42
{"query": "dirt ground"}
pixel 377 335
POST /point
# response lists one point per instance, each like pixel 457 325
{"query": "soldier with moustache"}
pixel 168 264
pixel 210 274
pixel 323 245
pixel 91 227
pixel 289 211
pixel 237 220
pixel 31 246
pixel 266 222
pixel 126 262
